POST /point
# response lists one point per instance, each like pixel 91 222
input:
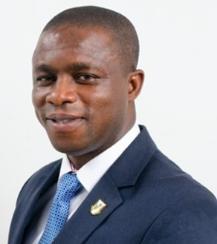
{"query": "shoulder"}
pixel 168 181
pixel 181 209
pixel 50 170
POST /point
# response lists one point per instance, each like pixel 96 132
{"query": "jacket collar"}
pixel 126 170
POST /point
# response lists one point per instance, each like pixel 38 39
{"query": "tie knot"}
pixel 68 186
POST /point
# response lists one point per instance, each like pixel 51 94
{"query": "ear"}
pixel 135 80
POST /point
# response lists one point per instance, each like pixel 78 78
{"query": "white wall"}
pixel 178 103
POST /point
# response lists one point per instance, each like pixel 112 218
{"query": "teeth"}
pixel 64 121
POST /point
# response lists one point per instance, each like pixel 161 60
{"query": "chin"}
pixel 69 147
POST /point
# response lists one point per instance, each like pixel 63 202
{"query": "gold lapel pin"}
pixel 97 207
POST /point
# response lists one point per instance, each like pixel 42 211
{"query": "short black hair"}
pixel 119 26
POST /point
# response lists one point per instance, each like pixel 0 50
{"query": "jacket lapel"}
pixel 34 195
pixel 83 223
pixel 123 173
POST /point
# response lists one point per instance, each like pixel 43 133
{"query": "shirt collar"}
pixel 94 169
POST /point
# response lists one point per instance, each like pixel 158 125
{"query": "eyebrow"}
pixel 44 67
pixel 74 67
pixel 79 66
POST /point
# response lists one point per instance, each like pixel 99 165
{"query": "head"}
pixel 86 81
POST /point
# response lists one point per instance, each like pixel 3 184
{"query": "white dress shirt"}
pixel 88 175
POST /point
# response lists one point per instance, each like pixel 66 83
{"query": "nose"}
pixel 62 92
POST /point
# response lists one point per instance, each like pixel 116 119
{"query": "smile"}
pixel 64 122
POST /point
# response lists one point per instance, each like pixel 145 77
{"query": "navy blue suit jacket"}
pixel 149 200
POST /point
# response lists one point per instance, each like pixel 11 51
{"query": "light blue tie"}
pixel 67 187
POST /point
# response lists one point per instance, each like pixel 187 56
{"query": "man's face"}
pixel 80 92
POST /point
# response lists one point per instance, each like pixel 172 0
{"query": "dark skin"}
pixel 82 95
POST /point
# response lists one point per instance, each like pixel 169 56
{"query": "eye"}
pixel 44 80
pixel 85 78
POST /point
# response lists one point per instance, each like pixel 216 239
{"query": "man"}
pixel 114 185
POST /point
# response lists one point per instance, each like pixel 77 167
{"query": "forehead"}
pixel 94 42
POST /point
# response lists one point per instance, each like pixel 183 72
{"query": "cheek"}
pixel 38 101
pixel 109 107
pixel 38 97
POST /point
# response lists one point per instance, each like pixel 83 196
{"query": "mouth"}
pixel 64 122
